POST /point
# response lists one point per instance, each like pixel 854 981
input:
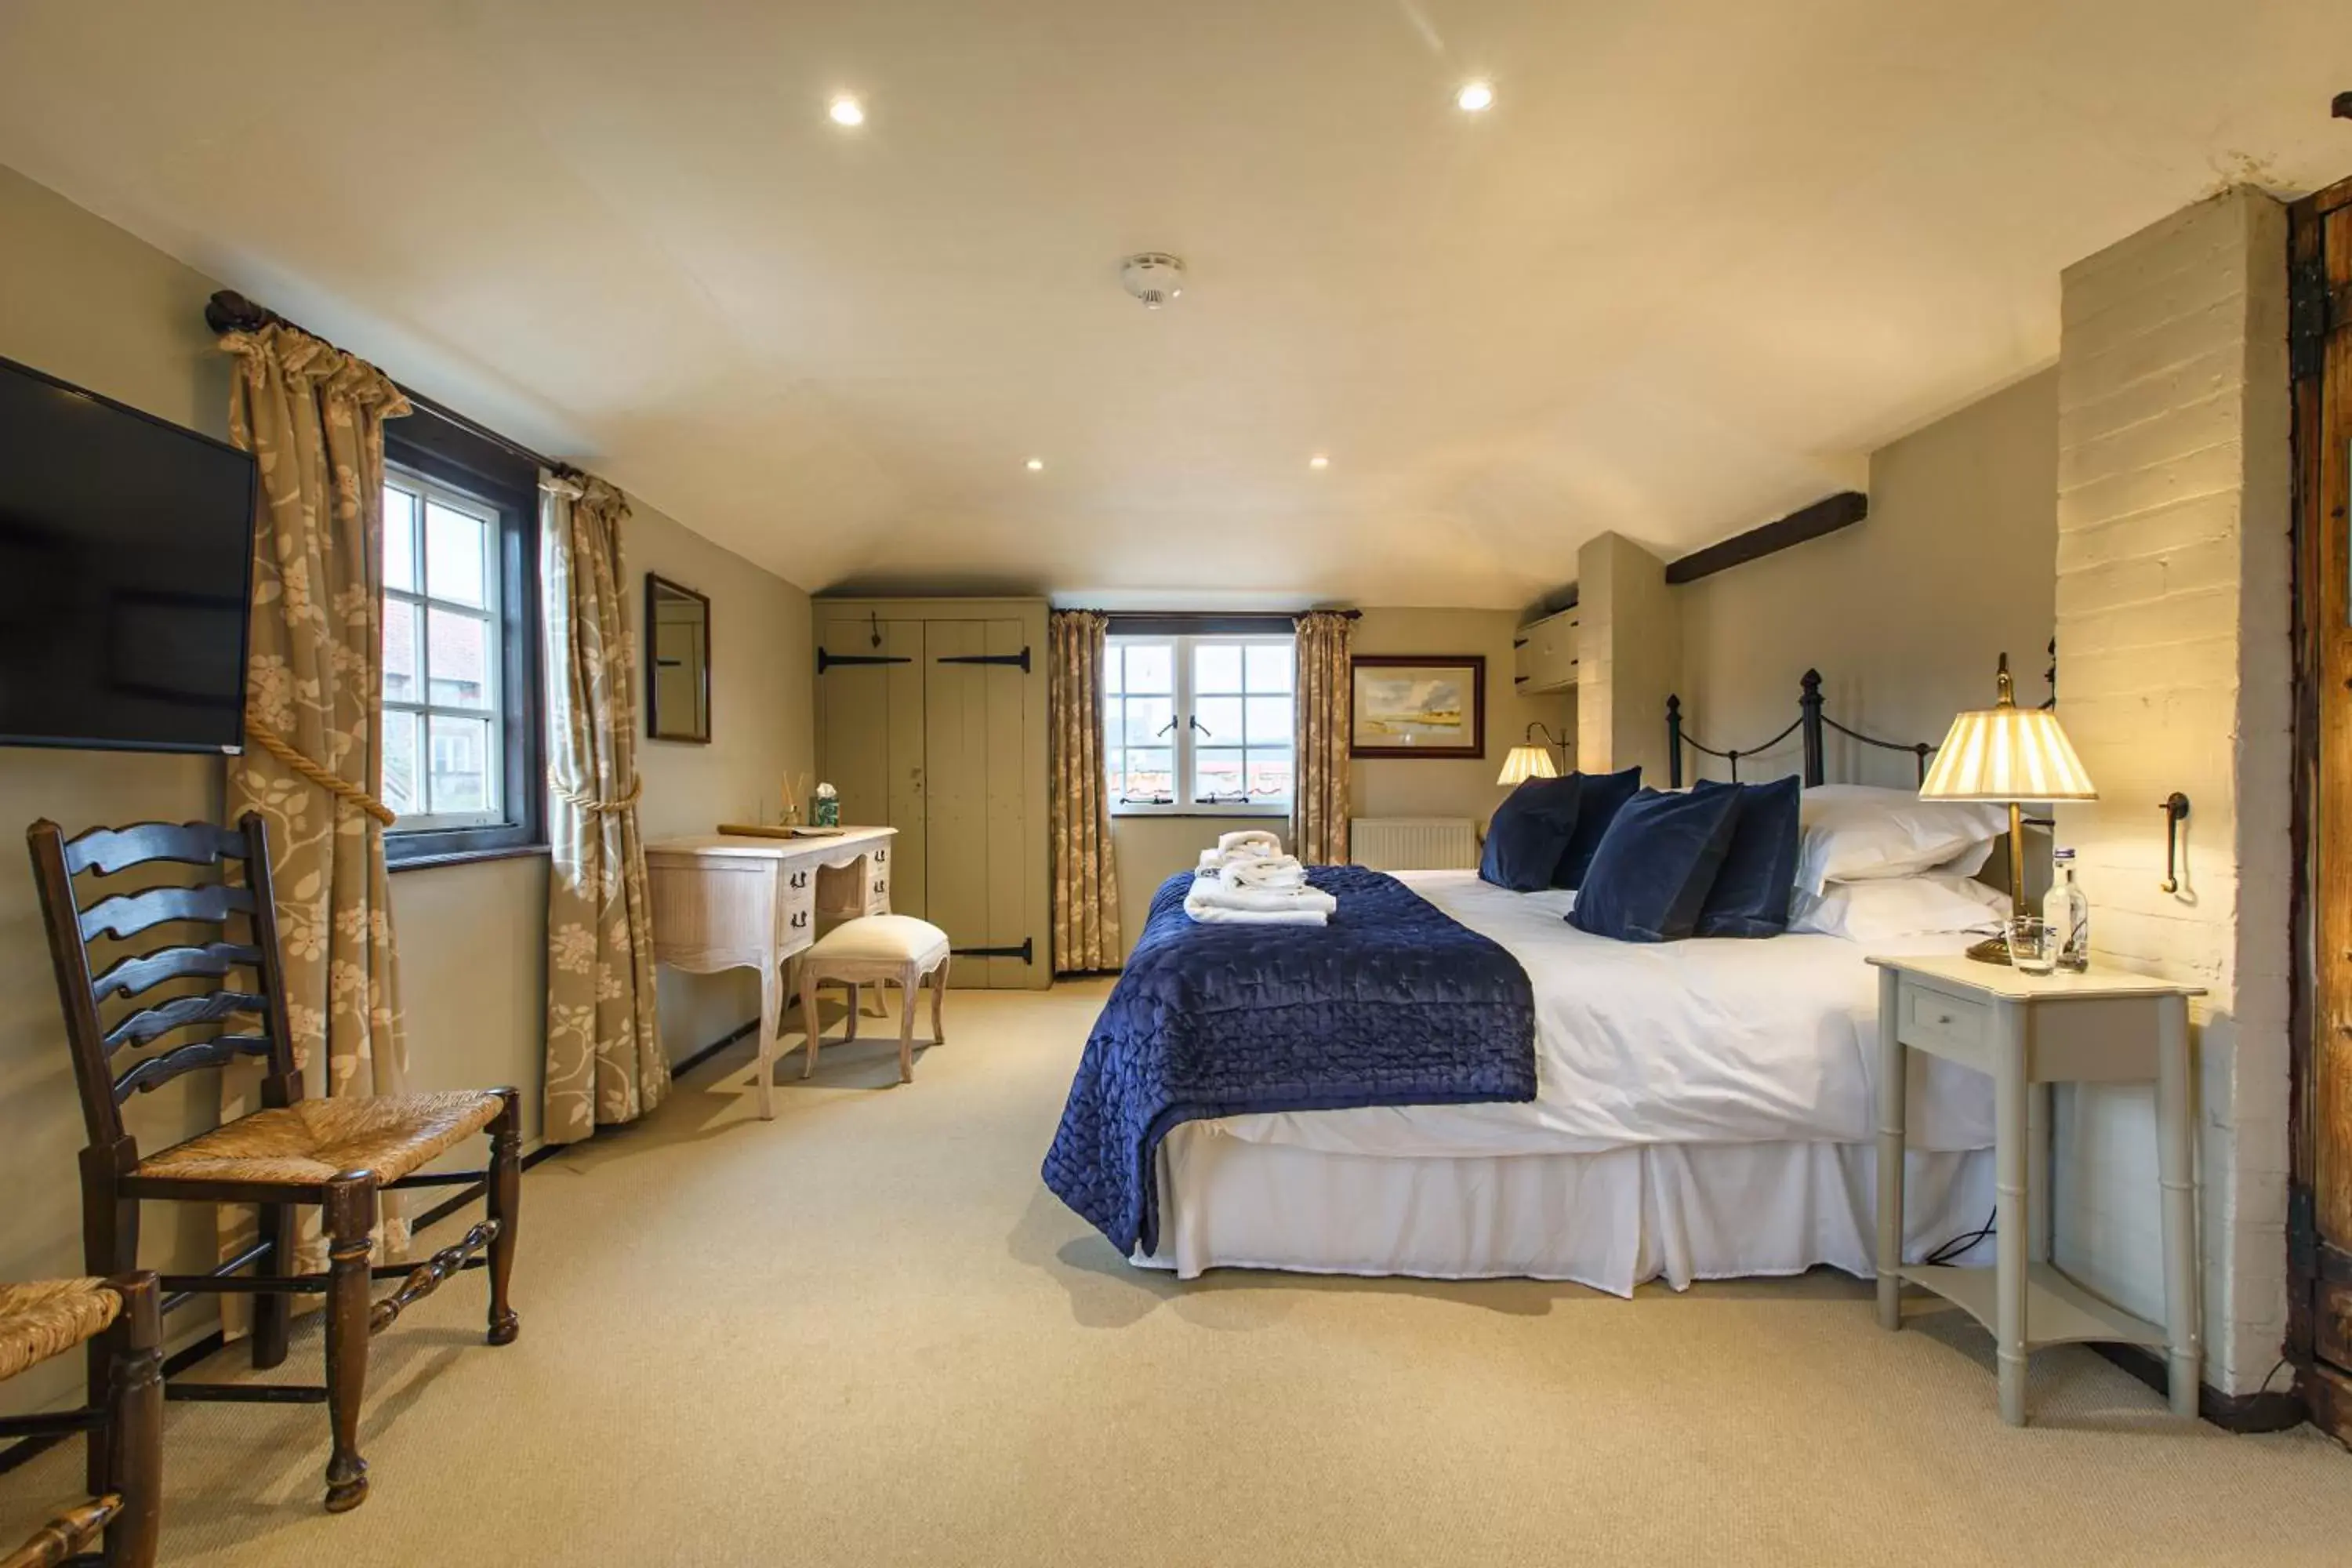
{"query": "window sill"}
pixel 1230 813
pixel 395 864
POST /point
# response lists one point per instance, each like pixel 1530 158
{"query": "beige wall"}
pixel 1151 848
pixel 1422 786
pixel 1904 613
pixel 82 300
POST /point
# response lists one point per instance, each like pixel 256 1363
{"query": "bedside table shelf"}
pixel 2057 1310
pixel 2028 1032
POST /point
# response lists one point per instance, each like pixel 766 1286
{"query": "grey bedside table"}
pixel 2028 1031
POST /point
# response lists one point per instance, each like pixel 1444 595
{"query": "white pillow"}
pixel 1894 907
pixel 1853 832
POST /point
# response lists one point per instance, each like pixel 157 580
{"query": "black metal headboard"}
pixel 1810 722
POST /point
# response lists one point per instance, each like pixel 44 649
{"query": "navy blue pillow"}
pixel 1650 878
pixel 1528 834
pixel 1751 896
pixel 1599 799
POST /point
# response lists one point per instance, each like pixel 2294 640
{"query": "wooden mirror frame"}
pixel 656 586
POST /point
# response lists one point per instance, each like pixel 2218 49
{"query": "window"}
pixel 1199 724
pixel 462 753
pixel 441 641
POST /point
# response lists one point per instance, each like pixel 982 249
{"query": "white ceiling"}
pixel 1699 259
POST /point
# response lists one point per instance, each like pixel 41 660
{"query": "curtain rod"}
pixel 230 312
pixel 1224 615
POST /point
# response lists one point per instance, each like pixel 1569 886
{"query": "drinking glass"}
pixel 2032 948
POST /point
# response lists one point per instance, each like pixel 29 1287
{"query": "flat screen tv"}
pixel 126 561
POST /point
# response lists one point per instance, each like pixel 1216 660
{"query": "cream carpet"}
pixel 865 1335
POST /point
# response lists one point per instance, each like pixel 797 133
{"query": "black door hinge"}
pixel 2315 311
pixel 1021 659
pixel 825 661
pixel 2302 1234
pixel 1026 953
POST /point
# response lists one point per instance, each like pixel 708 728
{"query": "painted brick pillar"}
pixel 2174 669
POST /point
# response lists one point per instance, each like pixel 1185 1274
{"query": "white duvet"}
pixel 1689 1042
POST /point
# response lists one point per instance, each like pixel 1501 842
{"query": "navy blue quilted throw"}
pixel 1393 1003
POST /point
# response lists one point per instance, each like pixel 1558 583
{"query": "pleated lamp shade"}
pixel 1526 763
pixel 2007 753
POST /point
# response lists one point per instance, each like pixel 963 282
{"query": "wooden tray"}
pixel 741 830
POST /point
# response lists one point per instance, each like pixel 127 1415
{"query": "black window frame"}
pixel 448 453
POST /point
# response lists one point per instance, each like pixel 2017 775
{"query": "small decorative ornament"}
pixel 828 806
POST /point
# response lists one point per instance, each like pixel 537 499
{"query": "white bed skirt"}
pixel 1609 1220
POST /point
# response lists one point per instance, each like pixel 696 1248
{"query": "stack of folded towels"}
pixel 1248 881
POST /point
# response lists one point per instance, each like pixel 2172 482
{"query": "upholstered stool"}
pixel 876 949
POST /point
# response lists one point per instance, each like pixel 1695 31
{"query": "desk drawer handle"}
pixel 800 880
pixel 881 857
pixel 1943 1017
pixel 880 886
pixel 801 919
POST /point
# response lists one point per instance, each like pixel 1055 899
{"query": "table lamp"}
pixel 2006 754
pixel 1530 761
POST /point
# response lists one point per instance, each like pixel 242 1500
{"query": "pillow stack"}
pixel 1545 834
pixel 1717 861
pixel 1877 864
pixel 1746 860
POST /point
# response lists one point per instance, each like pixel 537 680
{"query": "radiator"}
pixel 1413 843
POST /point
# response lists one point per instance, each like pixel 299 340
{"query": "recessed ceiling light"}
pixel 1036 465
pixel 1318 461
pixel 847 110
pixel 1475 97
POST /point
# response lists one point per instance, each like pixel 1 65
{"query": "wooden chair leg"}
pixel 110 1245
pixel 939 994
pixel 272 1313
pixel 908 979
pixel 505 1203
pixel 850 1033
pixel 350 1209
pixel 809 978
pixel 134 1427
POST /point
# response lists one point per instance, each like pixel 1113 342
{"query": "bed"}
pixel 1704 1110
pixel 1700 1110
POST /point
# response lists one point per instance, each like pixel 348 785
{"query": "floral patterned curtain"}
pixel 1318 811
pixel 605 1058
pixel 313 418
pixel 1086 875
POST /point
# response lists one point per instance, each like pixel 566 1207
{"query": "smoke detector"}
pixel 1153 276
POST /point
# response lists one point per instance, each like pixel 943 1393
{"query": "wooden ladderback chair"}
pixel 123 1420
pixel 204 894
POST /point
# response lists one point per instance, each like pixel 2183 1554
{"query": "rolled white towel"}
pixel 1248 841
pixel 1215 892
pixel 1271 871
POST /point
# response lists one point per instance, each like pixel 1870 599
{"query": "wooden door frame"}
pixel 2320 352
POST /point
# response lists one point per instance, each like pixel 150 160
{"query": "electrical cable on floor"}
pixel 1958 1245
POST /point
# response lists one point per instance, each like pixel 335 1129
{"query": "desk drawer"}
pixel 795 909
pixel 1948 1025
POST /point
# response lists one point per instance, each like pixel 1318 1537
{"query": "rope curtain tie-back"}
pixel 278 746
pixel 587 800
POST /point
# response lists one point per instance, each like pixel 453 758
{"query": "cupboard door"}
pixel 871 749
pixel 1010 831
pixel 956 748
pixel 974 733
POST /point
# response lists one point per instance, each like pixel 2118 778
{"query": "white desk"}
pixel 724 902
pixel 2028 1031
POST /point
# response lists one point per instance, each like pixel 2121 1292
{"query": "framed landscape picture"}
pixel 1412 705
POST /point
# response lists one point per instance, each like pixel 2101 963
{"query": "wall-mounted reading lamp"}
pixel 1530 761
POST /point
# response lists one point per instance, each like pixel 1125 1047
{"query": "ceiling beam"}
pixel 1824 516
